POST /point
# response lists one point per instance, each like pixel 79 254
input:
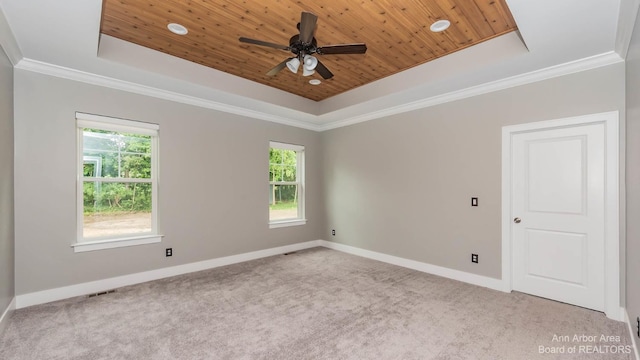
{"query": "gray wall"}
pixel 633 175
pixel 402 185
pixel 213 183
pixel 6 183
pixel 399 185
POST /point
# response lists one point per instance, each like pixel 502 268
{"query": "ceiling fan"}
pixel 304 46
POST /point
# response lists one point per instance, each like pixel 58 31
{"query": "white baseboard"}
pixel 474 279
pixel 619 314
pixel 4 319
pixel 45 296
pixel 479 280
pixel 632 334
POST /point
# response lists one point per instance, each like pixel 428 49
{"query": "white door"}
pixel 558 214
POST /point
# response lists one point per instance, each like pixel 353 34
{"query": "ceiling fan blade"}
pixel 342 49
pixel 323 71
pixel 278 67
pixel 307 27
pixel 263 43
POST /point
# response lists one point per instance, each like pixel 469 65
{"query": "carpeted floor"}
pixel 313 304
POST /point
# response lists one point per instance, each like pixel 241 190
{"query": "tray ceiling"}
pixel 396 33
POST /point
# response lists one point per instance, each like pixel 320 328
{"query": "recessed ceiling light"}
pixel 177 29
pixel 314 82
pixel 440 25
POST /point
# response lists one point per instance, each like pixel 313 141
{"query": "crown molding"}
pixel 626 22
pixel 568 68
pixel 572 67
pixel 8 41
pixel 109 82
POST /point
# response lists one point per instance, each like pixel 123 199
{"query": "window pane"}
pixel 275 164
pixel 111 154
pixel 289 173
pixel 283 202
pixel 116 209
pixel 282 165
pixel 89 167
pixel 275 172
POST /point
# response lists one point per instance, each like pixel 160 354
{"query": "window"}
pixel 117 183
pixel 286 185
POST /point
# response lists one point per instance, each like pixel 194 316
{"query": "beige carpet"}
pixel 314 304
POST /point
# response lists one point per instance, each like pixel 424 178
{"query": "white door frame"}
pixel 610 120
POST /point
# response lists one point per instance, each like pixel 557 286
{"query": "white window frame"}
pixel 301 220
pixel 126 126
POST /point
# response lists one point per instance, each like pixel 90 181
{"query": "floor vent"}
pixel 289 253
pixel 101 293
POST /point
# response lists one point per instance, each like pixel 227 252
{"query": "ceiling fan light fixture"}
pixel 440 25
pixel 302 46
pixel 293 65
pixel 310 62
pixel 177 29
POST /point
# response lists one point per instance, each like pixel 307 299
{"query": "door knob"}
pixel 517 220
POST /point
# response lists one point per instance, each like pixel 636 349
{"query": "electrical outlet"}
pixel 474 201
pixel 169 252
pixel 474 258
pixel 333 232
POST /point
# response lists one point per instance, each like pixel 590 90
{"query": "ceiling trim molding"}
pixel 572 67
pixel 626 23
pixel 589 63
pixel 117 84
pixel 8 41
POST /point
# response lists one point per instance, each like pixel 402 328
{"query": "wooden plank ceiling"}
pixel 396 33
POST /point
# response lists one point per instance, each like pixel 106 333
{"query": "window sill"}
pixel 287 223
pixel 115 243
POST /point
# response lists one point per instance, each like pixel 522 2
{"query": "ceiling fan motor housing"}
pixel 301 49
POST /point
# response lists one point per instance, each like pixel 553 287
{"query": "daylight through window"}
pixel 286 184
pixel 117 189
